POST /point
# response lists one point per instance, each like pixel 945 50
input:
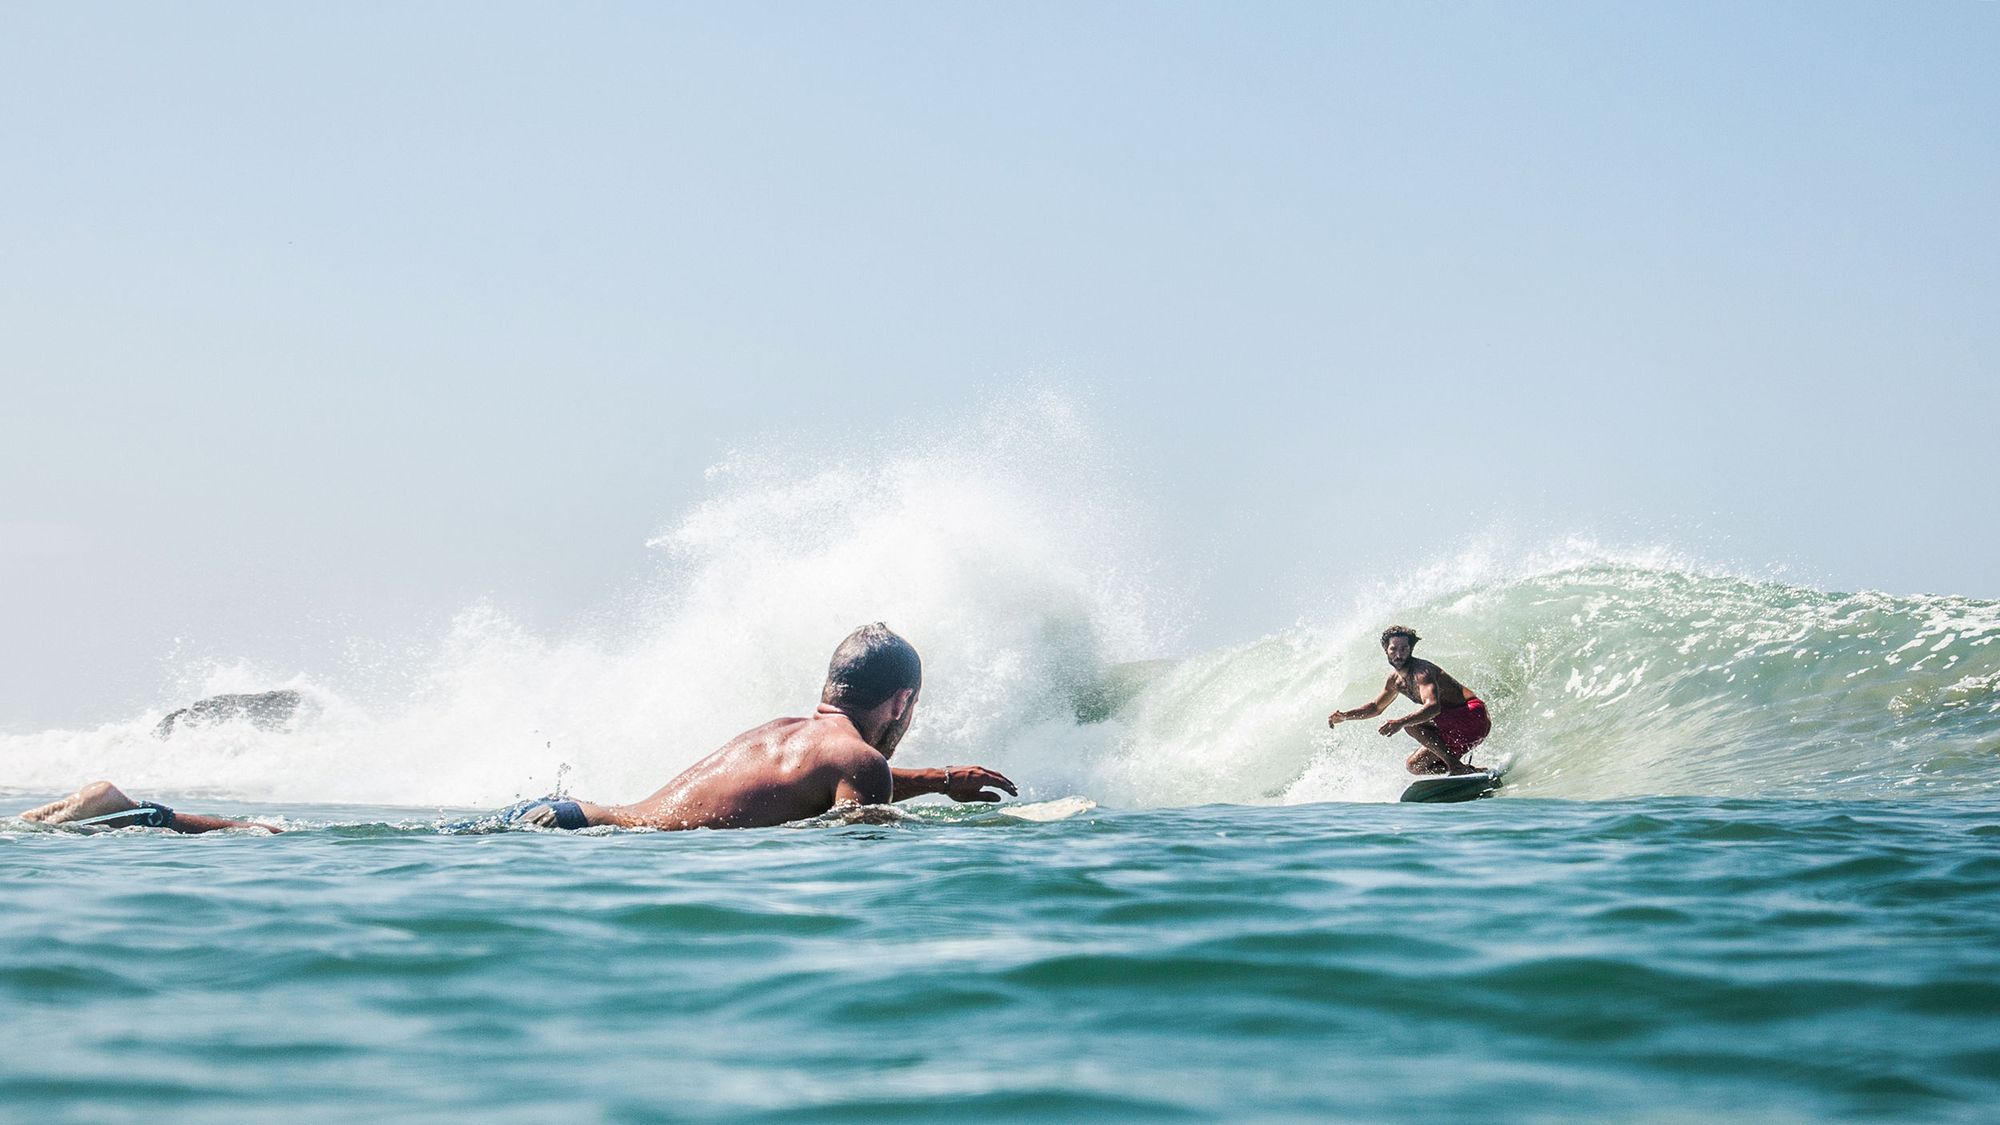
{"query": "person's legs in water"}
pixel 98 799
pixel 100 803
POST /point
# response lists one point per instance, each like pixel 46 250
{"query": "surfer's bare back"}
pixel 1449 720
pixel 793 769
pixel 786 770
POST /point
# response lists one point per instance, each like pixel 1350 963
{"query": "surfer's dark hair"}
pixel 1400 631
pixel 871 665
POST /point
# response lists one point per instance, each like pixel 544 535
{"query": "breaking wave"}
pixel 1009 554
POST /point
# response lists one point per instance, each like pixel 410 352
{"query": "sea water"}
pixel 1746 864
pixel 1511 959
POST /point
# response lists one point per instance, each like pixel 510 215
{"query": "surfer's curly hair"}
pixel 1400 631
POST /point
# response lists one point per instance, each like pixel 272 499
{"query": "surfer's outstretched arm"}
pixel 960 783
pixel 1367 710
pixel 103 805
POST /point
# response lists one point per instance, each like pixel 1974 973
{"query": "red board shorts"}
pixel 1463 727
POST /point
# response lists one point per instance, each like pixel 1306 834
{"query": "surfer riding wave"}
pixel 1449 720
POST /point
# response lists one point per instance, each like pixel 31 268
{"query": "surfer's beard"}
pixel 885 743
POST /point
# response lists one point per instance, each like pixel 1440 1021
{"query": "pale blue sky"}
pixel 322 318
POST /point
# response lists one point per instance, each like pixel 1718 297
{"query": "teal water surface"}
pixel 1512 959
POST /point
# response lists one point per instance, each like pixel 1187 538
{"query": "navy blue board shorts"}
pixel 569 815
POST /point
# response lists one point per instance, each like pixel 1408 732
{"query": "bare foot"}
pixel 99 798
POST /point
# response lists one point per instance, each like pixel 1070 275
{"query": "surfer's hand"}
pixel 970 783
pixel 1392 726
pixel 544 817
pixel 1337 718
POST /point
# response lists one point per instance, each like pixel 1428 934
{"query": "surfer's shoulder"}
pixel 855 763
pixel 833 745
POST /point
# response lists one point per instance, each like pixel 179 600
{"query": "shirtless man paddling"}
pixel 794 769
pixel 1449 720
pixel 786 770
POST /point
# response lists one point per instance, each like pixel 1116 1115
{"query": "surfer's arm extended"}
pixel 960 783
pixel 1366 710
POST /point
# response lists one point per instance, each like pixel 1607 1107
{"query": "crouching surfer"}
pixel 1449 720
pixel 788 769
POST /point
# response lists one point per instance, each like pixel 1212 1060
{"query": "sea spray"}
pixel 1005 548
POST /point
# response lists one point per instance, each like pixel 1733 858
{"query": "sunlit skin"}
pixel 795 769
pixel 1432 689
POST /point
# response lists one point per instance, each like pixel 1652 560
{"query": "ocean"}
pixel 1513 959
pixel 1744 866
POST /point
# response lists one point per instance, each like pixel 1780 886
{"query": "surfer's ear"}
pixel 902 700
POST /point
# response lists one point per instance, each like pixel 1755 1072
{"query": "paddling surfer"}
pixel 1449 720
pixel 797 768
pixel 788 769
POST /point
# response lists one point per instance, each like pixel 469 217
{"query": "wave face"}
pixel 1614 679
pixel 1008 553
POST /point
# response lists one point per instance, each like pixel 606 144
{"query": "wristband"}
pixel 947 779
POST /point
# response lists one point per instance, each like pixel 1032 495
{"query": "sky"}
pixel 320 320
